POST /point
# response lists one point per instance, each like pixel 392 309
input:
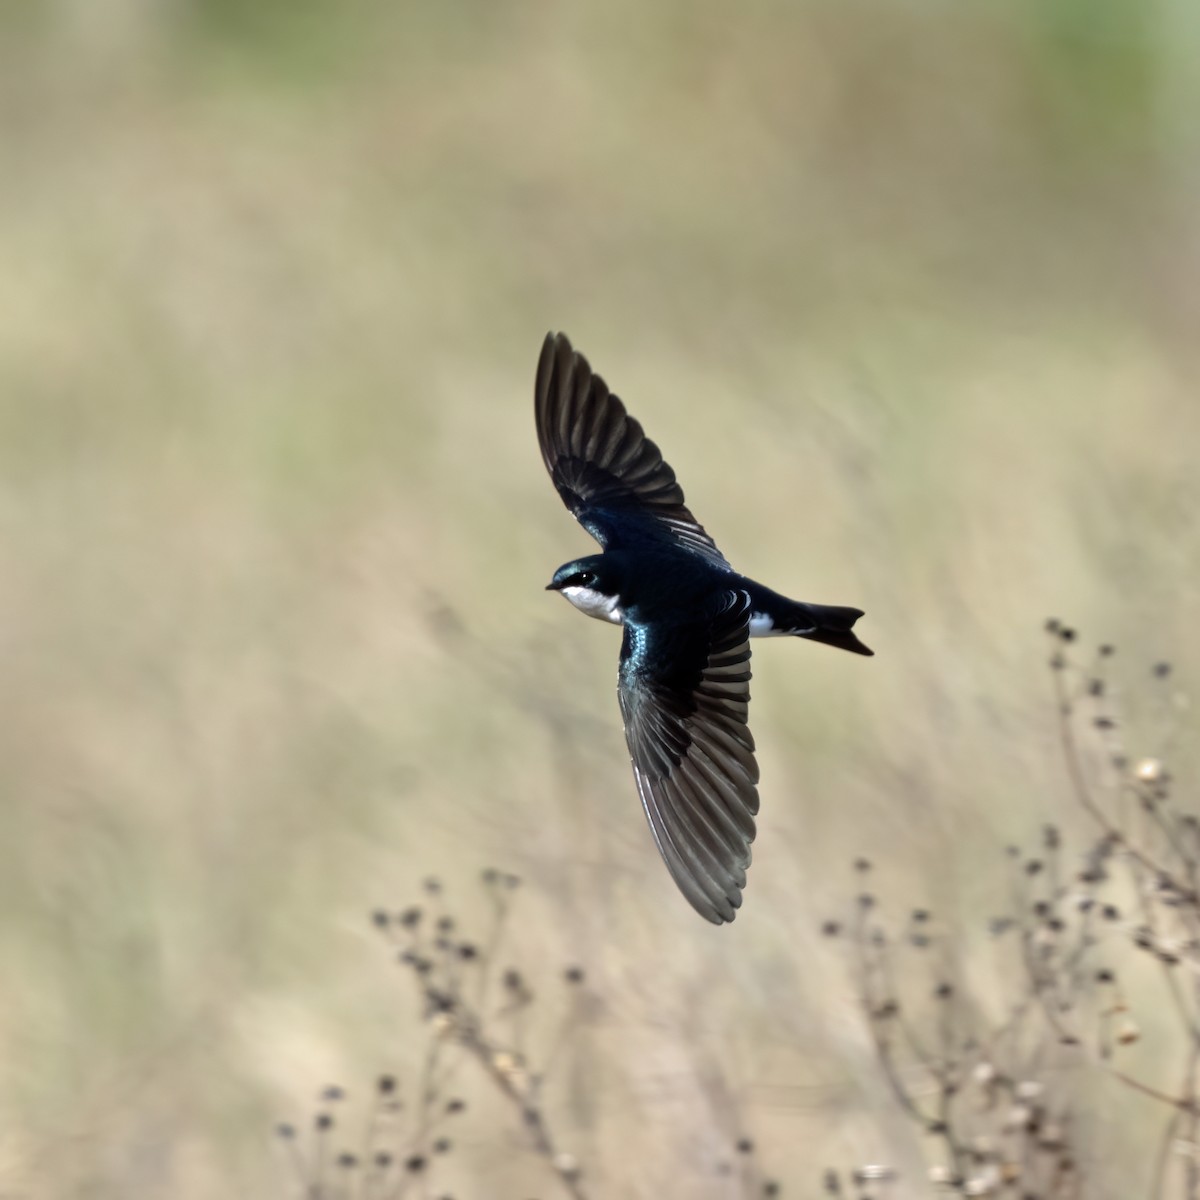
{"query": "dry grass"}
pixel 905 292
pixel 1000 1068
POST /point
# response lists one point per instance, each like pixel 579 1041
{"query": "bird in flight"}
pixel 688 617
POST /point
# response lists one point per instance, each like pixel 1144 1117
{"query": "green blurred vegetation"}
pixel 905 291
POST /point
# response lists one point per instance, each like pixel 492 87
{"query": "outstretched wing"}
pixel 684 695
pixel 609 474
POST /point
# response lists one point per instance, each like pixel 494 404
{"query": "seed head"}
pixel 1149 770
pixel 983 1073
pixel 1128 1032
pixel 505 1063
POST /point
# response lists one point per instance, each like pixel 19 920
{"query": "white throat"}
pixel 595 604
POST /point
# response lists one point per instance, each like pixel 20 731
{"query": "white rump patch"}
pixel 761 625
pixel 595 604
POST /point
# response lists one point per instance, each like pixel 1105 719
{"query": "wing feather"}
pixel 608 473
pixel 685 697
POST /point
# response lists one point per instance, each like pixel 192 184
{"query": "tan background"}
pixel 907 294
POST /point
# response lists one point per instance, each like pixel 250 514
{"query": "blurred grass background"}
pixel 907 294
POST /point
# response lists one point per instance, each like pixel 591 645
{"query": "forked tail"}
pixel 834 627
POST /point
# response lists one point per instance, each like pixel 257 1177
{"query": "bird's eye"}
pixel 586 578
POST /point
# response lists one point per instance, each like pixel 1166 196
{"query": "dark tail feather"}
pixel 834 626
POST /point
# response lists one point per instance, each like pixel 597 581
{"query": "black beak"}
pixel 552 586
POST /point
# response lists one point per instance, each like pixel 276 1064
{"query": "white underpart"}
pixel 595 604
pixel 761 625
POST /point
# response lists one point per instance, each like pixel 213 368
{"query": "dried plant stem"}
pixel 1080 786
pixel 471 1040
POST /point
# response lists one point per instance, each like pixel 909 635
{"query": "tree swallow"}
pixel 684 677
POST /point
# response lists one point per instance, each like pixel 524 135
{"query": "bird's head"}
pixel 591 585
